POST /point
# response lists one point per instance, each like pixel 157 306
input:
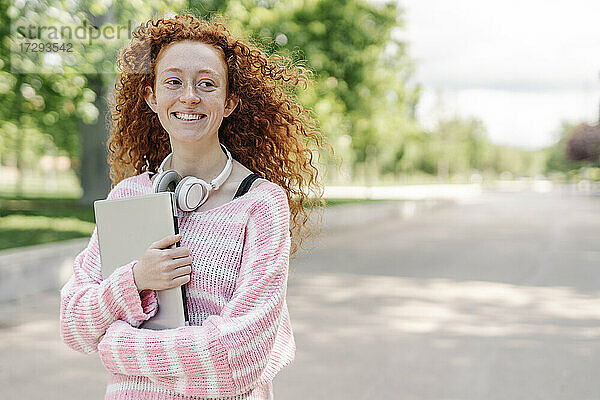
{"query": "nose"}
pixel 189 95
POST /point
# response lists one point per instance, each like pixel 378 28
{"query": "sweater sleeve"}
pixel 89 304
pixel 234 351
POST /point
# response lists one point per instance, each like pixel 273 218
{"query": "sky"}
pixel 522 67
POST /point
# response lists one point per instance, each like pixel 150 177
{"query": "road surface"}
pixel 495 298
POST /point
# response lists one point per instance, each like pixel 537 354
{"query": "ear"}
pixel 150 98
pixel 230 105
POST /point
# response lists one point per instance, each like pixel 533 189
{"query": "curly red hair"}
pixel 269 132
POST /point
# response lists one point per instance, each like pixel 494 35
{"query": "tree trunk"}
pixel 20 168
pixel 19 140
pixel 95 180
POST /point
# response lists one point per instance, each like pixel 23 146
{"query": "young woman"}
pixel 192 104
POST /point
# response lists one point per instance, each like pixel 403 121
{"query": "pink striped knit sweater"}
pixel 240 333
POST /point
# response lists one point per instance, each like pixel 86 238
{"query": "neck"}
pixel 205 163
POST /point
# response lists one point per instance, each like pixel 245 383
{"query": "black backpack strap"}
pixel 245 185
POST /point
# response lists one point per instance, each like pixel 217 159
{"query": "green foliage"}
pixel 460 146
pixel 28 221
pixel 457 146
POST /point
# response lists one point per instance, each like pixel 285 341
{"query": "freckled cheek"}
pixel 170 98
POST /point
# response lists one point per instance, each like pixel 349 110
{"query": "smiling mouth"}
pixel 188 117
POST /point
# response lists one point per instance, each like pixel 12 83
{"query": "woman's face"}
pixel 190 93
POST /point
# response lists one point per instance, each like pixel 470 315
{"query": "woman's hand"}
pixel 163 268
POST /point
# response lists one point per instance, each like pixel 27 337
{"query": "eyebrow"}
pixel 210 71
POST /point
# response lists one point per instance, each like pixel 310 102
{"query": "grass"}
pixel 31 220
pixel 47 210
pixel 26 221
pixel 335 202
pixel 65 185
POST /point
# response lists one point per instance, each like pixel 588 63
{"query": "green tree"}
pixel 37 111
pixel 459 146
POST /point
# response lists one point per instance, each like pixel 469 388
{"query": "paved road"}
pixel 497 298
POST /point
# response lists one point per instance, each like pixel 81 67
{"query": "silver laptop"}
pixel 126 228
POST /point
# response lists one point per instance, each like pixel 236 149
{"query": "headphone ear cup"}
pixel 166 181
pixel 190 193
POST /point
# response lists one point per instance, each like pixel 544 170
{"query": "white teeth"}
pixel 188 116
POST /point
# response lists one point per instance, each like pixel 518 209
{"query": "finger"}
pixel 181 280
pixel 181 271
pixel 180 262
pixel 177 252
pixel 166 241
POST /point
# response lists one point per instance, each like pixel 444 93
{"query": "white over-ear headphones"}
pixel 190 192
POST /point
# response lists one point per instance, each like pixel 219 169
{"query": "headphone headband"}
pixel 219 180
pixel 222 177
pixel 190 192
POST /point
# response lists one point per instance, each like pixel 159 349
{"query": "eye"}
pixel 209 83
pixel 173 80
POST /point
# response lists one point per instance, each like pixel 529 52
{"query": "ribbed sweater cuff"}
pixel 149 302
pixel 137 308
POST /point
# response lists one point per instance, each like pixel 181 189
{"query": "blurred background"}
pixel 459 251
